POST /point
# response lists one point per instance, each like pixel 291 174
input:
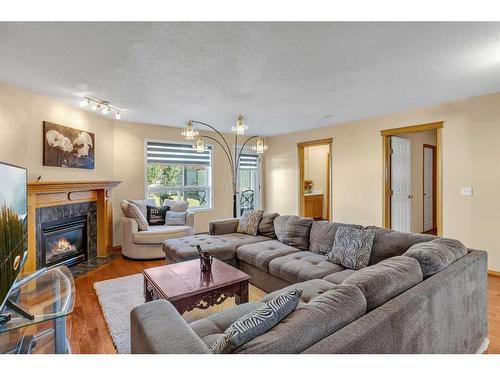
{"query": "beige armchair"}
pixel 147 243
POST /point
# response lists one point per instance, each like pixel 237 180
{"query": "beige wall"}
pixel 119 150
pixel 21 117
pixel 417 175
pixel 129 167
pixel 470 158
pixel 315 161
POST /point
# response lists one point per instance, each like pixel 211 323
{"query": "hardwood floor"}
pixel 88 332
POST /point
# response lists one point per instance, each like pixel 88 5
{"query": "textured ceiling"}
pixel 282 76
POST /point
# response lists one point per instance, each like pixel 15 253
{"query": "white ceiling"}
pixel 283 77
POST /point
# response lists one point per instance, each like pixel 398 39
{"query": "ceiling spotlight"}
pixel 103 105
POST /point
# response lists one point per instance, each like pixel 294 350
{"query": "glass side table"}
pixel 49 295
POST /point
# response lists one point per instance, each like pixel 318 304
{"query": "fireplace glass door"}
pixel 64 241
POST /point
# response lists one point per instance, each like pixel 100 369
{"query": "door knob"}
pixel 410 196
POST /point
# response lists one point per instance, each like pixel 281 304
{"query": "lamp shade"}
pixel 189 131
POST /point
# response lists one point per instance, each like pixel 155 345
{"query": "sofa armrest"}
pixel 157 328
pixel 225 226
pixel 190 219
pixel 129 227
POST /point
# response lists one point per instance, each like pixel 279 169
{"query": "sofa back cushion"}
pixel 293 230
pixel 266 226
pixel 435 255
pixel 389 243
pixel 310 322
pixel 323 235
pixel 385 280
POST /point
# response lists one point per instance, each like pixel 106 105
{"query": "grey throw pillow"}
pixel 257 322
pixel 176 206
pixel 266 226
pixel 175 218
pixel 352 247
pixel 293 230
pixel 249 222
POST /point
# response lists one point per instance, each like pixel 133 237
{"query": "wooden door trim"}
pixel 434 185
pixel 412 129
pixel 301 146
pixel 386 170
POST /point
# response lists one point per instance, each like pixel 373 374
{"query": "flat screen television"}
pixel 13 226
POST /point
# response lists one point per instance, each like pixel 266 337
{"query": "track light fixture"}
pixel 103 105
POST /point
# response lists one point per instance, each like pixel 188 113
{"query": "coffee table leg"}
pixel 147 295
pixel 242 297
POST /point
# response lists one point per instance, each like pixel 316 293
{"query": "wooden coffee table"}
pixel 186 287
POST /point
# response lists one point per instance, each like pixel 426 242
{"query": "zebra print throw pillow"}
pixel 352 247
pixel 257 322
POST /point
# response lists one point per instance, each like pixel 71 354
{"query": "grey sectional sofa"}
pixel 416 301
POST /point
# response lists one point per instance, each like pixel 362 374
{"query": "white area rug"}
pixel 118 297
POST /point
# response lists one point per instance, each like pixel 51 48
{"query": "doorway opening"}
pixel 412 178
pixel 315 179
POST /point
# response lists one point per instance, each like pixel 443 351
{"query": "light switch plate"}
pixel 466 191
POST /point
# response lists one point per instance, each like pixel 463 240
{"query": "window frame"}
pixel 210 196
pixel 248 150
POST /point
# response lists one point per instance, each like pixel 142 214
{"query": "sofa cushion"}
pixel 212 327
pixel 176 206
pixel 310 322
pixel 261 253
pixel 338 277
pixel 352 247
pixel 222 247
pixel 310 289
pixel 435 255
pixel 157 234
pixel 266 226
pixel 385 280
pixel 388 243
pixel 257 322
pixel 302 266
pixel 249 222
pixel 293 230
pixel 323 234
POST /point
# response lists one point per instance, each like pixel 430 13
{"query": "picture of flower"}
pixel 67 147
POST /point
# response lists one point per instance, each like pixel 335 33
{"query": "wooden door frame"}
pixel 301 146
pixel 386 170
pixel 434 185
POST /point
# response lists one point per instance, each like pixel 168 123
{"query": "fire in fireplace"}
pixel 64 241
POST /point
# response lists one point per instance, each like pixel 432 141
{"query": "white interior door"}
pixel 428 188
pixel 401 184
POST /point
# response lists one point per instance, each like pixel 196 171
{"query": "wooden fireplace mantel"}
pixel 56 193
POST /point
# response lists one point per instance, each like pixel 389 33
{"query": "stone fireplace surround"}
pixel 66 211
pixel 70 197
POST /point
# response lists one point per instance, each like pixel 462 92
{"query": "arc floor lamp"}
pixel 258 144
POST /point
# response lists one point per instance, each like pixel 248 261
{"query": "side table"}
pixel 49 295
